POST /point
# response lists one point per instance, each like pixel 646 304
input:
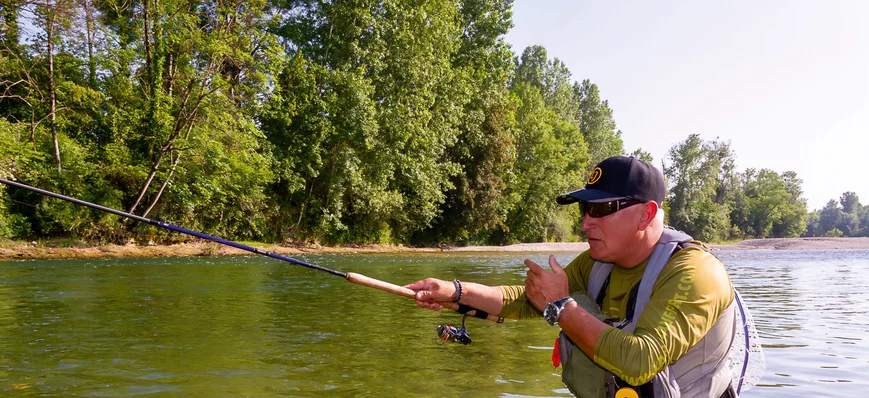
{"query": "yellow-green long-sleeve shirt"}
pixel 690 294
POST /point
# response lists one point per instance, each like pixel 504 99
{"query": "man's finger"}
pixel 533 267
pixel 423 295
pixel 556 267
pixel 430 305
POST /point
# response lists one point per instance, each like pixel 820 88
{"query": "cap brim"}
pixel 585 195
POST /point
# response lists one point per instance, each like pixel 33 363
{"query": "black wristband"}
pixel 458 290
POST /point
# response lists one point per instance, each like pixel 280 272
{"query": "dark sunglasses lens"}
pixel 597 210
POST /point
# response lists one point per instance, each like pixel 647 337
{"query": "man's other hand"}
pixel 543 286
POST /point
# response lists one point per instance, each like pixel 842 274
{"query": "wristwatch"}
pixel 553 309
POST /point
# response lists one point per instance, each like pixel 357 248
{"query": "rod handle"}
pixel 363 280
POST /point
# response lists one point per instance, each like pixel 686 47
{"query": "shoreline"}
pixel 31 251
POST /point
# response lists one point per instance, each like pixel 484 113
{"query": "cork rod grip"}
pixel 363 280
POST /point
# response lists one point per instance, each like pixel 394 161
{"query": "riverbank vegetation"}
pixel 306 121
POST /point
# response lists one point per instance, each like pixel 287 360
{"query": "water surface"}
pixel 253 326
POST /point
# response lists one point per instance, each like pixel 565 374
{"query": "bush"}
pixel 834 233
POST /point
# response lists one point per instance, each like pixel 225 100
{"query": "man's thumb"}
pixel 423 295
pixel 556 267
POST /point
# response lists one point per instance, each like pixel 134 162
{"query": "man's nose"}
pixel 587 223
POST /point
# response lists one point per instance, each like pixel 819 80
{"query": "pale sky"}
pixel 786 82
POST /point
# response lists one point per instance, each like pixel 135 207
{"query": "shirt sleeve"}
pixel 689 296
pixel 516 304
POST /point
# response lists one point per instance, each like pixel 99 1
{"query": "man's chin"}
pixel 596 250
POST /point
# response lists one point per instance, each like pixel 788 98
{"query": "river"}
pixel 253 326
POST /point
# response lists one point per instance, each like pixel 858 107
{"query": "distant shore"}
pixel 33 250
pixel 751 244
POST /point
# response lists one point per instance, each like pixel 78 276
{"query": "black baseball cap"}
pixel 619 177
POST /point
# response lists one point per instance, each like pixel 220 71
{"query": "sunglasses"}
pixel 603 209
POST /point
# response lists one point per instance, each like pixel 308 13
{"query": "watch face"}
pixel 550 313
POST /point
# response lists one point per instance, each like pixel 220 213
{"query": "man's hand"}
pixel 542 286
pixel 430 291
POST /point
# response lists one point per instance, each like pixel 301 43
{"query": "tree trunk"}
pixel 89 21
pixel 147 39
pixel 148 180
pixel 49 30
pixel 163 187
pixel 170 76
pixel 33 127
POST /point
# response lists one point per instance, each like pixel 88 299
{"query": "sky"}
pixel 786 82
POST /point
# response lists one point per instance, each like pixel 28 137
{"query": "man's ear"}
pixel 647 216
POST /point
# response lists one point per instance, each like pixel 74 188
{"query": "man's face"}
pixel 611 238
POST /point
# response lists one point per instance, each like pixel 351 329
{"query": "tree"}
pixel 309 120
pixel 693 179
pixel 850 203
pixel 547 146
pixel 847 217
pixel 475 206
pixel 853 214
pixel 793 212
pixel 53 18
pixel 812 228
pixel 774 203
pixel 639 153
pixel 864 221
pixel 830 217
pixel 596 123
pixel 386 166
pixel 198 60
pixel 551 78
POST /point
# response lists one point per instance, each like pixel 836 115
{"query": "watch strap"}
pixel 559 304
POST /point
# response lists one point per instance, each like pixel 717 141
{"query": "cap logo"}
pixel 595 175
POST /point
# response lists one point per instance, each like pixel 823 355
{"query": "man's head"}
pixel 621 206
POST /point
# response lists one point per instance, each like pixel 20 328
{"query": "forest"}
pixel 409 122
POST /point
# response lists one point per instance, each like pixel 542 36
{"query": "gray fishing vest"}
pixel 704 370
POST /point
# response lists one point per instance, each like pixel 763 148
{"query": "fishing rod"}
pixel 450 333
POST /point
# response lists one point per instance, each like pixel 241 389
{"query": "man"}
pixel 667 321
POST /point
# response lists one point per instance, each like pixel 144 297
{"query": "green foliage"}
pixel 367 121
pixel 773 205
pixel 693 176
pixel 596 123
pixel 475 207
pixel 639 153
pixel 834 233
pixel 547 146
pixel 16 156
pixel 864 221
pixel 846 217
pixel 307 120
pixel 712 202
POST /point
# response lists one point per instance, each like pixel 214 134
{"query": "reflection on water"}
pixel 252 326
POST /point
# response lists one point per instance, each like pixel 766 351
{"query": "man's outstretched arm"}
pixel 430 291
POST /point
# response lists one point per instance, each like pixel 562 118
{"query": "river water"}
pixel 253 326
